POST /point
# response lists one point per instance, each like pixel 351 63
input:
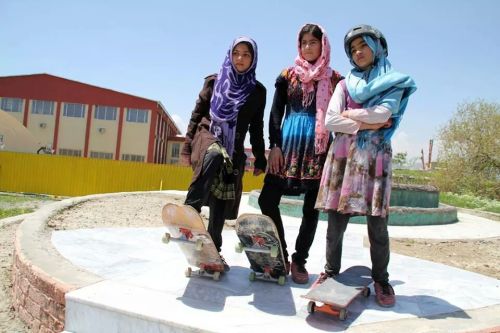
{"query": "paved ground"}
pixel 144 289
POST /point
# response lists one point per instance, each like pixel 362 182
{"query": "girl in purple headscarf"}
pixel 229 105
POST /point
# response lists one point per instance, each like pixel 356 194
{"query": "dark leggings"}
pixel 199 194
pixel 269 200
pixel 379 244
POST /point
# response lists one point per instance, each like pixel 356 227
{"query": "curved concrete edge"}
pixel 41 276
pixel 13 219
pixel 480 213
pixel 482 320
pixel 399 216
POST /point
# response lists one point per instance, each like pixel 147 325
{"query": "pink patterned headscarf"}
pixel 320 71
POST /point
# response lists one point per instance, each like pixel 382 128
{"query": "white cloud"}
pixel 181 124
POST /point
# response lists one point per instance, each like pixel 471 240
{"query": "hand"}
pixel 257 172
pixel 345 114
pixel 388 123
pixel 275 161
pixel 186 160
pixel 373 127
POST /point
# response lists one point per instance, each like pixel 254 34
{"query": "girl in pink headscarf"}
pixel 299 140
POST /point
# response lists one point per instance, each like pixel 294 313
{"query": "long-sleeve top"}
pixel 335 122
pixel 250 119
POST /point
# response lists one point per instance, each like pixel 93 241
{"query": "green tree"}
pixel 469 160
pixel 399 160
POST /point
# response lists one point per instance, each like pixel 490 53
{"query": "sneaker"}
pixel 226 266
pixel 322 278
pixel 384 294
pixel 299 273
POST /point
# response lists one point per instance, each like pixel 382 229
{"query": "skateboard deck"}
pixel 337 293
pixel 259 239
pixel 186 228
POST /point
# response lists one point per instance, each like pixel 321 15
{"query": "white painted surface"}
pixel 145 289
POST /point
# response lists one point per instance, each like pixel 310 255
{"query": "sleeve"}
pixel 334 122
pixel 257 132
pixel 278 110
pixel 201 109
pixel 372 115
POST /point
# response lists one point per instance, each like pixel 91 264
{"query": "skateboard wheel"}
pixel 274 251
pixel 281 280
pixel 311 306
pixel 342 314
pixel 188 272
pixel 252 276
pixel 366 292
pixel 216 276
pixel 199 245
pixel 166 238
pixel 238 248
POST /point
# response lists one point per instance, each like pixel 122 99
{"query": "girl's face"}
pixel 310 47
pixel 241 57
pixel 361 53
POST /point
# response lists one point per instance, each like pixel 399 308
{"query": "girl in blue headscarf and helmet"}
pixel 357 174
pixel 229 105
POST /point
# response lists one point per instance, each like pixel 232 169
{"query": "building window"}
pixel 100 154
pixel 12 104
pixel 42 107
pixel 74 110
pixel 70 152
pixel 175 150
pixel 132 157
pixel 105 112
pixel 137 116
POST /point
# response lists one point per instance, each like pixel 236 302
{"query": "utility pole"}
pixel 429 163
pixel 423 160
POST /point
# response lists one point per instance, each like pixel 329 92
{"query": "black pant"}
pixel 199 194
pixel 269 200
pixel 379 244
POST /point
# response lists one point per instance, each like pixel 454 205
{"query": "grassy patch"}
pixel 4 213
pixel 415 177
pixel 12 199
pixel 470 201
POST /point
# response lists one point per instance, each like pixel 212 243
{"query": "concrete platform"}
pixel 143 288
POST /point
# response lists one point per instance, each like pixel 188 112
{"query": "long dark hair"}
pixel 312 29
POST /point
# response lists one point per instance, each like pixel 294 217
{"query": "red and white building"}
pixel 80 119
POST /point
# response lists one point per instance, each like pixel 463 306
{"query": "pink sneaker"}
pixel 321 278
pixel 384 294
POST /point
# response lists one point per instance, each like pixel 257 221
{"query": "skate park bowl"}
pixel 410 205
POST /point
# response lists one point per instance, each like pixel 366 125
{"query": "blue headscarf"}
pixel 380 85
pixel 231 91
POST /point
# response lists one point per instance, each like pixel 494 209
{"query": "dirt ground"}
pixel 480 256
pixel 9 320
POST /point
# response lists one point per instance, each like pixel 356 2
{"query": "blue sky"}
pixel 162 50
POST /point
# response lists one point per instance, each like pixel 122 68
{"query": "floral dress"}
pixel 357 175
pixel 302 166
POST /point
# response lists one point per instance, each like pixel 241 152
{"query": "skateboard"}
pixel 337 293
pixel 186 228
pixel 259 239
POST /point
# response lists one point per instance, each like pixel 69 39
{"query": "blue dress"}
pixel 292 127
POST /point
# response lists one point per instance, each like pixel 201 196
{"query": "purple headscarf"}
pixel 231 91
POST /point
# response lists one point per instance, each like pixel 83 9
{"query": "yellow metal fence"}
pixel 76 176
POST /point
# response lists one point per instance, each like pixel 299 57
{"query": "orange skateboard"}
pixel 259 238
pixel 337 293
pixel 186 228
